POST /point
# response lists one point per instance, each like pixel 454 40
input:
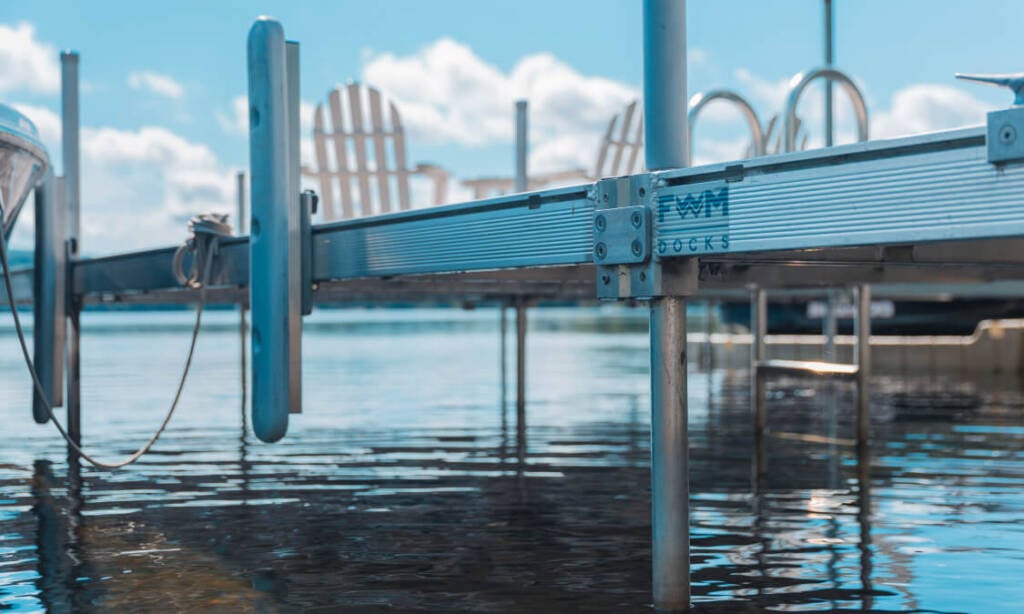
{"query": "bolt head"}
pixel 600 251
pixel 600 223
pixel 1007 134
pixel 637 219
pixel 637 247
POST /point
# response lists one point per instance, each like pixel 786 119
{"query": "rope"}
pixel 210 227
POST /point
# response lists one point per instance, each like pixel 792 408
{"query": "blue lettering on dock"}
pixel 696 222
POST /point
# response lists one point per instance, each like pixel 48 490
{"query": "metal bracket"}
pixel 622 235
pixel 307 208
pixel 1005 135
pixel 623 258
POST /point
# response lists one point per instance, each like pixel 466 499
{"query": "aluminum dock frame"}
pixel 944 208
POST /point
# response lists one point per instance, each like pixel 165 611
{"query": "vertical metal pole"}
pixel 240 179
pixel 758 353
pixel 49 292
pixel 665 132
pixel 863 324
pixel 665 126
pixel 830 326
pixel 503 358
pixel 274 241
pixel 709 329
pixel 522 144
pixel 828 82
pixel 69 142
pixel 521 362
pixel 71 202
pixel 521 383
pixel 670 487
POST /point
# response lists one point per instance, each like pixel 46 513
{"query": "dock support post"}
pixel 71 198
pixel 522 144
pixel 665 135
pixel 670 487
pixel 830 326
pixel 863 357
pixel 521 364
pixel 240 180
pixel 503 355
pixel 758 353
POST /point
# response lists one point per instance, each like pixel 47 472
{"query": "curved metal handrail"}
pixel 799 83
pixel 701 99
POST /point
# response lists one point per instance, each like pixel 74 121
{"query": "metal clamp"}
pixel 1004 137
pixel 623 229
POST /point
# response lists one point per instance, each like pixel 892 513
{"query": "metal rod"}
pixel 240 179
pixel 758 355
pixel 670 492
pixel 702 99
pixel 69 144
pixel 797 86
pixel 503 357
pixel 830 325
pixel 828 82
pixel 665 128
pixel 71 202
pixel 74 396
pixel 522 145
pixel 521 363
pixel 666 146
pixel 863 358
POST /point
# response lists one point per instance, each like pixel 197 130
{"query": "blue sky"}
pixel 162 81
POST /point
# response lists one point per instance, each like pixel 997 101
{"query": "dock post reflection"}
pixel 521 304
pixel 58 552
pixel 864 520
pixel 863 360
pixel 758 330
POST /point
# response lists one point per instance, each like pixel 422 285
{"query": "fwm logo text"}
pixel 699 221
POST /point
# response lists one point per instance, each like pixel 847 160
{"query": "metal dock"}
pixel 943 208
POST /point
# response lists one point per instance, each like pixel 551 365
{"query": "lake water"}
pixel 404 485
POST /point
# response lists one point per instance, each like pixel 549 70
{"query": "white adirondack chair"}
pixel 619 154
pixel 360 156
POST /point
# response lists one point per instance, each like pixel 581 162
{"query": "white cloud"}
pixel 237 120
pixel 156 83
pixel 26 64
pixel 139 187
pixel 927 107
pixel 47 123
pixel 446 93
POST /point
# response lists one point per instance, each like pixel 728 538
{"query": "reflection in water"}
pixel 401 486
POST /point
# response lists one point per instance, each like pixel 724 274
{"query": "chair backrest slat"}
pixel 340 155
pixel 627 122
pixel 364 173
pixel 635 146
pixel 602 154
pixel 325 179
pixel 402 167
pixel 359 144
pixel 380 150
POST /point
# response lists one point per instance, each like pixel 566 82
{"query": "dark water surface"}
pixel 404 486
